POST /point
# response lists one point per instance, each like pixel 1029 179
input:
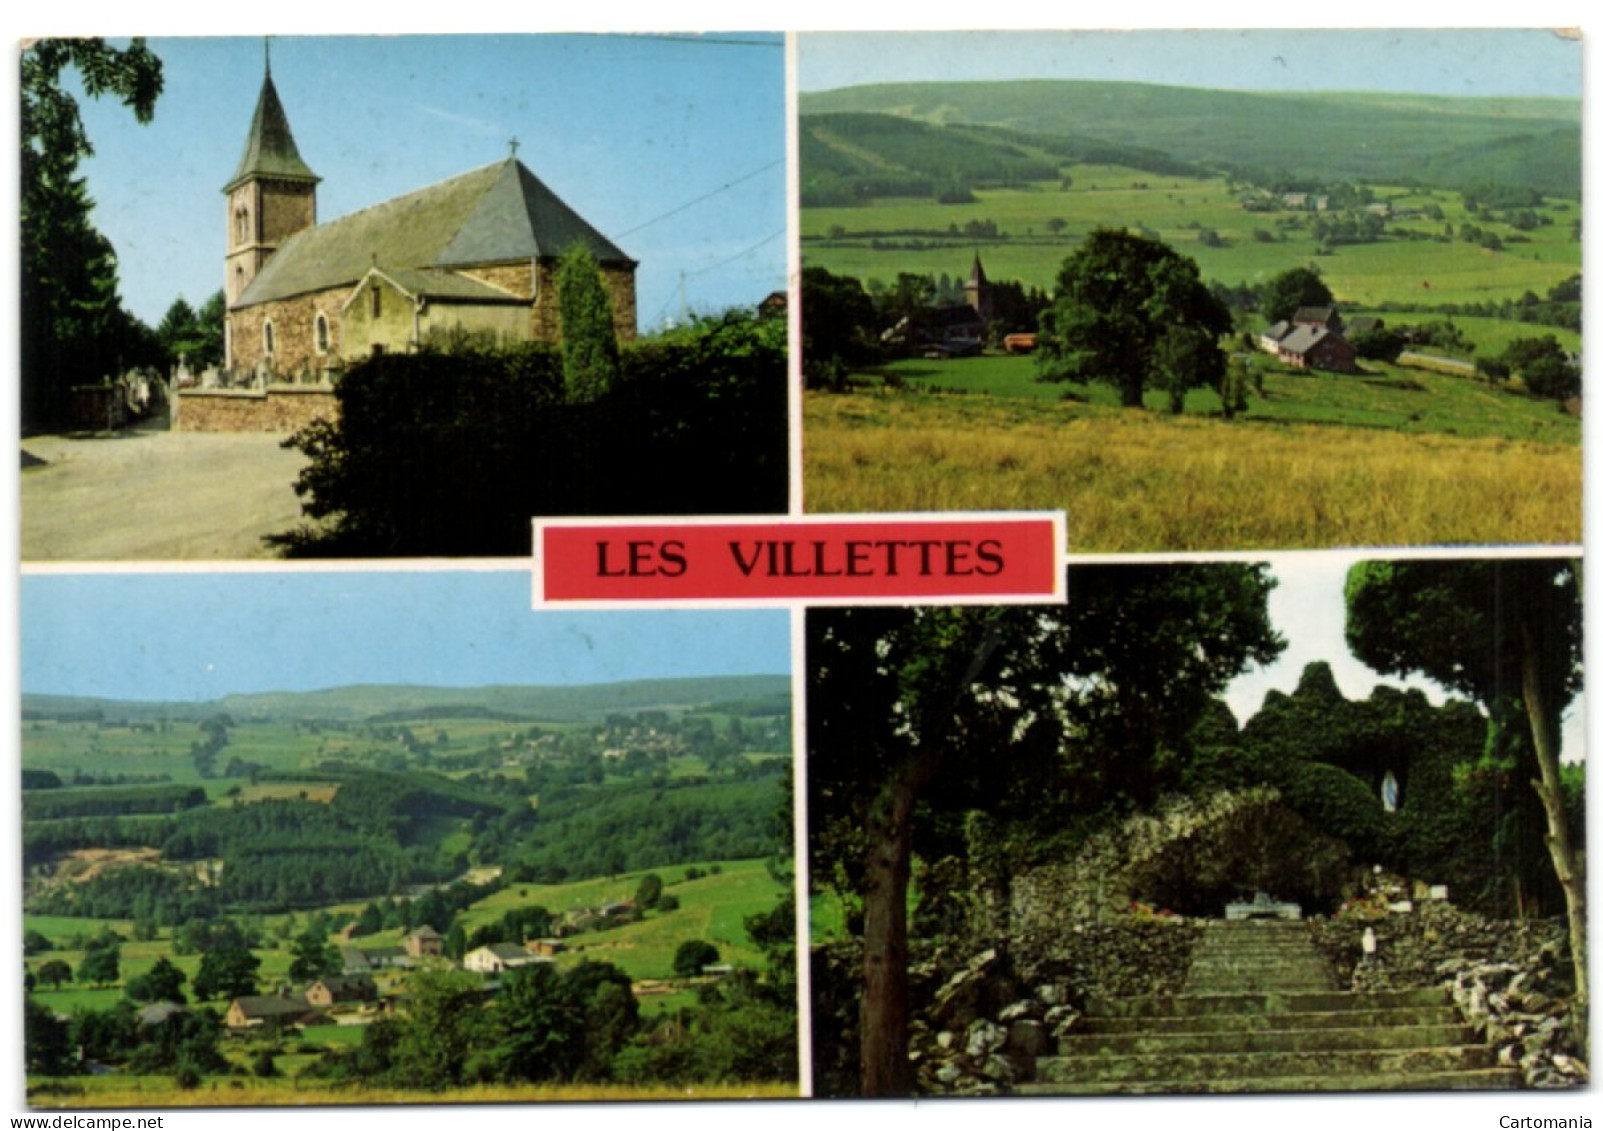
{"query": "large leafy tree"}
pixel 906 701
pixel 73 324
pixel 443 1025
pixel 312 957
pixel 1508 633
pixel 837 326
pixel 227 972
pixel 540 1026
pixel 1132 311
pixel 1291 290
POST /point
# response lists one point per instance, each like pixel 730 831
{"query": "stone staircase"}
pixel 1261 1013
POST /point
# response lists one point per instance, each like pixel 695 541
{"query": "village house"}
pixel 364 960
pixel 1315 347
pixel 1311 339
pixel 283 1009
pixel 499 958
pixel 325 993
pixel 425 942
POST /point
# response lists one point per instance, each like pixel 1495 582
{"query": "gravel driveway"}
pixel 154 495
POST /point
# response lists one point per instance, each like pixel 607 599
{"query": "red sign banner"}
pixel 1004 558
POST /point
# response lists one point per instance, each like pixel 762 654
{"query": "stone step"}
pixel 1235 966
pixel 1214 1066
pixel 1298 945
pixel 1480 1079
pixel 1267 1040
pixel 1257 1022
pixel 1329 1001
pixel 1263 984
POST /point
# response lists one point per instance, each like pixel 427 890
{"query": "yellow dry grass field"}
pixel 159 1092
pixel 1146 482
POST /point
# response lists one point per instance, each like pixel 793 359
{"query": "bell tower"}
pixel 271 196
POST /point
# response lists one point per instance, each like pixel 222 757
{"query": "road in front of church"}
pixel 155 495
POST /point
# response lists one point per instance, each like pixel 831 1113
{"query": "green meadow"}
pixel 1179 210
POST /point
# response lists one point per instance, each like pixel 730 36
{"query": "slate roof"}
pixel 272 1005
pixel 1303 338
pixel 158 1012
pixel 1314 314
pixel 347 988
pixel 269 147
pixel 1278 331
pixel 498 213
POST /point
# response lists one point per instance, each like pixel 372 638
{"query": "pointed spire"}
pixel 270 147
pixel 976 275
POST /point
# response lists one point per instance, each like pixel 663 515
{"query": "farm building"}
pixel 283 1009
pixel 361 960
pixel 425 942
pixel 498 958
pixel 327 992
pixel 1314 347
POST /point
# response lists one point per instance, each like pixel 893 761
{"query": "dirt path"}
pixel 154 495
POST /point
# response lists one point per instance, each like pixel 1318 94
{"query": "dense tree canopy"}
pixel 1132 312
pixel 74 329
pixel 837 324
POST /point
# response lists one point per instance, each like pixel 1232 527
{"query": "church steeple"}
pixel 271 196
pixel 977 289
pixel 270 147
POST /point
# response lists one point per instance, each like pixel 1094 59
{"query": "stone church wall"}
pixel 295 352
pixel 278 409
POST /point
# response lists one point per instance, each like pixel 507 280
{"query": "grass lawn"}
pixel 713 908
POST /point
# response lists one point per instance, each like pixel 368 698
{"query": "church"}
pixel 476 254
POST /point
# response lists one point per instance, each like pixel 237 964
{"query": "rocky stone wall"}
pixel 285 409
pixel 1511 979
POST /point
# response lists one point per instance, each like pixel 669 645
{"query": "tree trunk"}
pixel 887 1071
pixel 1550 789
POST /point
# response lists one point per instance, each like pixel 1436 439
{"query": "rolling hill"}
pixel 579 703
pixel 1393 138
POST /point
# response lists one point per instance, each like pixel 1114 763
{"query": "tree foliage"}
pixel 837 327
pixel 1291 290
pixel 74 329
pixel 450 454
pixel 227 972
pixel 589 338
pixel 1132 312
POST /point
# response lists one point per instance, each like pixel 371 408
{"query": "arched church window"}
pixel 378 300
pixel 267 337
pixel 241 225
pixel 320 332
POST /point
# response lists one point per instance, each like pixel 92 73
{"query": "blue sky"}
pixel 1463 62
pixel 194 636
pixel 626 129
